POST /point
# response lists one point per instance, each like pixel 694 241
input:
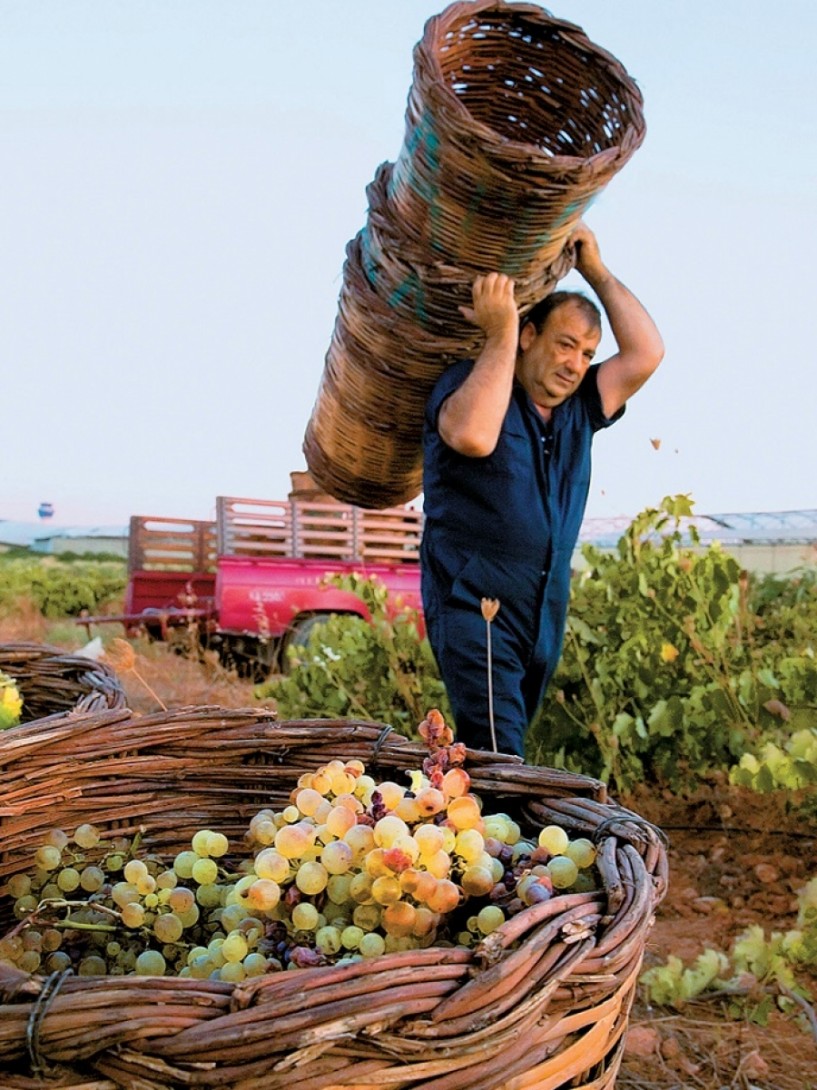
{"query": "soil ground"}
pixel 736 859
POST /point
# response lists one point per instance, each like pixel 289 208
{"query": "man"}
pixel 507 444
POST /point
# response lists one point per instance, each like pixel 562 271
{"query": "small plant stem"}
pixel 491 690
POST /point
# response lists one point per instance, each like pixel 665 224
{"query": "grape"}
pixel 360 839
pixel 304 916
pixel 430 801
pixel 255 964
pixel 48 857
pixel 19 885
pixel 235 947
pixel 464 812
pixel 554 839
pixel 57 838
pixel 444 897
pixel 429 839
pixel 168 927
pixel 183 864
pixel 92 965
pixel 181 899
pixel 388 829
pixel 372 945
pixel 582 851
pixel 86 836
pixel 477 881
pixel 367 917
pixel 264 894
pixel 399 918
pixel 360 888
pixel 439 864
pixel 425 922
pixel 150 963
pixel 469 845
pixel 339 820
pixel 134 870
pixel 337 857
pixel 386 889
pixel 308 800
pixel 232 916
pixel 208 895
pixel 337 888
pixel 563 871
pixel 327 940
pixel 350 937
pixel 265 832
pixel 123 893
pixel 52 939
pixel 92 879
pixel 217 845
pixel 311 878
pixel 57 962
pixel 24 906
pixel 68 879
pixel 293 840
pixel 29 961
pixel 269 863
pixel 133 914
pixel 204 871
pixel 456 782
pixel 146 885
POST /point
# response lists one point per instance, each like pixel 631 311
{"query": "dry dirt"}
pixel 735 859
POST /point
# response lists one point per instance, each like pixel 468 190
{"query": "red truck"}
pixel 254 581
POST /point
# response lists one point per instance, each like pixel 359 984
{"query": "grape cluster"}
pixel 351 868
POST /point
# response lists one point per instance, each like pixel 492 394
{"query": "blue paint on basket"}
pixel 410 290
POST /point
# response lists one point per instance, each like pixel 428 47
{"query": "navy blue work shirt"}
pixel 505 526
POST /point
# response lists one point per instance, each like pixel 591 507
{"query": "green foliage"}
pixel 60 588
pixel 380 671
pixel 791 767
pixel 667 669
pixel 759 971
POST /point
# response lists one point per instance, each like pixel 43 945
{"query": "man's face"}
pixel 551 364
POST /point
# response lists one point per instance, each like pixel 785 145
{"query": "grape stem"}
pixel 54 902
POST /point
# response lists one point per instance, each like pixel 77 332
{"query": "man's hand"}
pixel 494 309
pixel 588 255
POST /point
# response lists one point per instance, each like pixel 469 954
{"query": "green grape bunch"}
pixel 350 868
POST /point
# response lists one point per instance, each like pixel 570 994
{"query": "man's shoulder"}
pixel 450 380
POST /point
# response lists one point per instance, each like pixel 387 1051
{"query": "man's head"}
pixel 557 342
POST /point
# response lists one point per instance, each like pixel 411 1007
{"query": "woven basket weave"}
pixel 515 121
pixel 51 680
pixel 548 1011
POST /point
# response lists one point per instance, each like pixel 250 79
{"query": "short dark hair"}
pixel 541 311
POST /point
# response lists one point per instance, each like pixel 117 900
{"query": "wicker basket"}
pixel 548 1011
pixel 515 121
pixel 51 680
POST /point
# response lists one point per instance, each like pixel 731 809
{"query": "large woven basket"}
pixel 52 680
pixel 515 121
pixel 549 1011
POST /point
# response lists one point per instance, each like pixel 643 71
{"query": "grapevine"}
pixel 351 868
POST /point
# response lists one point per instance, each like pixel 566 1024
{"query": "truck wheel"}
pixel 302 629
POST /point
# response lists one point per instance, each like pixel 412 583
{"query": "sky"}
pixel 180 179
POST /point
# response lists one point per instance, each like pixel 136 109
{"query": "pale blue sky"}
pixel 180 179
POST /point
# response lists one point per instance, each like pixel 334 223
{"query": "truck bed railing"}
pixel 332 531
pixel 167 544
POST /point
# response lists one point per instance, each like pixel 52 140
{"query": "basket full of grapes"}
pixel 212 898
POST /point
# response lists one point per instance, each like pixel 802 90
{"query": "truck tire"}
pixel 304 627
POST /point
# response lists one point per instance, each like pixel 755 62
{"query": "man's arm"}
pixel 640 348
pixel 471 418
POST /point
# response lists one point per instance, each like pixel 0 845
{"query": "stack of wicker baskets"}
pixel 515 121
pixel 544 1007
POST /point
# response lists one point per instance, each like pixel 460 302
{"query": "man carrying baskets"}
pixel 507 449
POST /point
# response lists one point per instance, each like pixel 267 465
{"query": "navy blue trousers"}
pixel 524 647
